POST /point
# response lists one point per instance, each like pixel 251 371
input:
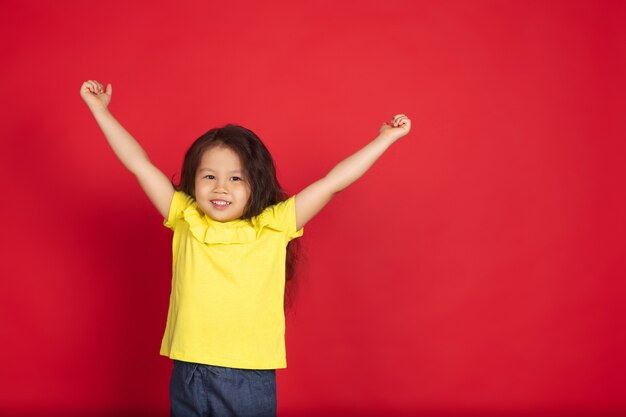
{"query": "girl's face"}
pixel 222 191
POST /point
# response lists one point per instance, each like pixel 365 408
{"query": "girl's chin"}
pixel 221 215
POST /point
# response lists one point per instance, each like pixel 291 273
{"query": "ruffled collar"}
pixel 207 230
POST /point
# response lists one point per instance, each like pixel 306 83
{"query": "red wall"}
pixel 477 269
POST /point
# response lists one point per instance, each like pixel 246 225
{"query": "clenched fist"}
pixel 91 91
pixel 399 126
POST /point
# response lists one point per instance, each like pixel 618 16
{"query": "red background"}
pixel 477 269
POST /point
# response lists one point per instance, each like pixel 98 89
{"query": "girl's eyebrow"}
pixel 231 172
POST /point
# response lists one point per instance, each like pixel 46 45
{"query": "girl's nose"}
pixel 221 185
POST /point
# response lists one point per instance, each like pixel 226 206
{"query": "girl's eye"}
pixel 212 177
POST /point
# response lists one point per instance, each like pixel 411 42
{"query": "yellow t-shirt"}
pixel 228 280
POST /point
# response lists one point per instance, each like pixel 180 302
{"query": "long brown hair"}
pixel 260 171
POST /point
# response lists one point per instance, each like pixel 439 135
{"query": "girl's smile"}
pixel 220 204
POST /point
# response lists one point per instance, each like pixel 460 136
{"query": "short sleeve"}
pixel 283 217
pixel 180 201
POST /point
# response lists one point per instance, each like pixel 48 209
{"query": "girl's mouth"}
pixel 220 204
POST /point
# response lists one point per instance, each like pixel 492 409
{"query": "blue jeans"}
pixel 200 390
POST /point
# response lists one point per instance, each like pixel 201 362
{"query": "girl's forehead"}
pixel 220 157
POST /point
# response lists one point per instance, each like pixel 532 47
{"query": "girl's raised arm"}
pixel 313 198
pixel 155 184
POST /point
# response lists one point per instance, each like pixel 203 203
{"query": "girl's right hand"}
pixel 92 92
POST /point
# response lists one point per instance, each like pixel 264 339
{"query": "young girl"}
pixel 231 229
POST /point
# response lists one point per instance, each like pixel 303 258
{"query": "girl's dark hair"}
pixel 259 171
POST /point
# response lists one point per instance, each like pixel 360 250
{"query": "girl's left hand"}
pixel 398 126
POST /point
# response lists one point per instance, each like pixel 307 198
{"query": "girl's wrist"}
pixel 99 109
pixel 382 137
